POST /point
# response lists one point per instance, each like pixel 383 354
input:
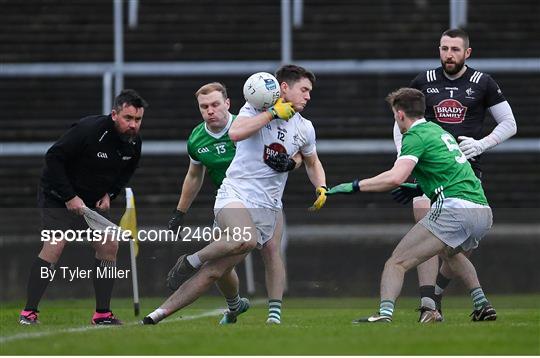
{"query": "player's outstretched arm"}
pixel 385 181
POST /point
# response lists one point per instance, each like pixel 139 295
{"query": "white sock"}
pixel 194 260
pixel 158 315
pixel 428 302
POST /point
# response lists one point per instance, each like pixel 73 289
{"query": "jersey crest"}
pixel 272 150
pixel 450 111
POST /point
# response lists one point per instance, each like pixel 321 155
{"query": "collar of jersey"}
pixel 420 121
pixel 457 78
pixel 222 132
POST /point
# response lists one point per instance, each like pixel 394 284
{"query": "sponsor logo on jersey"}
pixel 203 150
pixel 469 91
pixel 272 150
pixel 432 90
pixel 102 155
pixel 450 111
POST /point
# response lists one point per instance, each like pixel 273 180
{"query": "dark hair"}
pixel 129 97
pixel 293 73
pixel 211 87
pixel 453 33
pixel 409 100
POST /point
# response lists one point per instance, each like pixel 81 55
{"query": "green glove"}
pixel 345 188
pixel 283 110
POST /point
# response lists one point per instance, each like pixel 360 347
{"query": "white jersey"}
pixel 248 177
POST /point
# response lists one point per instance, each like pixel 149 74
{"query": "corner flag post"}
pixel 129 222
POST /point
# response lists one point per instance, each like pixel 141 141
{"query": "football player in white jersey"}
pixel 248 203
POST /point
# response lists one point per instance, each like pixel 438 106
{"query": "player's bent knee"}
pixel 214 272
pixel 394 262
pixel 244 247
pixel 51 252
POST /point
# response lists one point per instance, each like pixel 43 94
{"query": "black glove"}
pixel 406 192
pixel 176 221
pixel 281 162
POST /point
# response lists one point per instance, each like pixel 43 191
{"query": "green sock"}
pixel 478 297
pixel 386 308
pixel 233 303
pixel 274 309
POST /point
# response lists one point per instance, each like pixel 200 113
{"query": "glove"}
pixel 345 188
pixel 321 198
pixel 176 221
pixel 472 147
pixel 406 192
pixel 281 162
pixel 283 110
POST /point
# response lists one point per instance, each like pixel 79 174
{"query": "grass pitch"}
pixel 313 326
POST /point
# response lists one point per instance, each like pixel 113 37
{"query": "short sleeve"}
pixel 412 147
pixel 192 151
pixel 309 146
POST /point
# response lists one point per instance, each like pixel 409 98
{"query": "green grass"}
pixel 311 326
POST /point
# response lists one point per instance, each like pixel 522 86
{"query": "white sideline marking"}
pixel 16 337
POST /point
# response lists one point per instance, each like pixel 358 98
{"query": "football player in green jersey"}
pixel 458 98
pixel 459 215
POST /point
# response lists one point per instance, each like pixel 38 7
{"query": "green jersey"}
pixel 441 168
pixel 213 150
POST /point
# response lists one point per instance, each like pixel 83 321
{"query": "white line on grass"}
pixel 15 337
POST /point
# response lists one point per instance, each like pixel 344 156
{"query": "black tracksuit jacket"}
pixel 89 160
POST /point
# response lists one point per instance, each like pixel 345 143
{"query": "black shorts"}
pixel 55 215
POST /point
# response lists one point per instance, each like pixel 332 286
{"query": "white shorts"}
pixel 458 222
pixel 264 219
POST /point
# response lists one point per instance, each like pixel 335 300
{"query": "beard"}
pixel 458 66
pixel 127 138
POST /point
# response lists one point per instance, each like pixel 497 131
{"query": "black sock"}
pixel 103 286
pixel 36 285
pixel 442 283
pixel 428 292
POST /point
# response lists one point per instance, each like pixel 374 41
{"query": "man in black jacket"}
pixel 88 166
